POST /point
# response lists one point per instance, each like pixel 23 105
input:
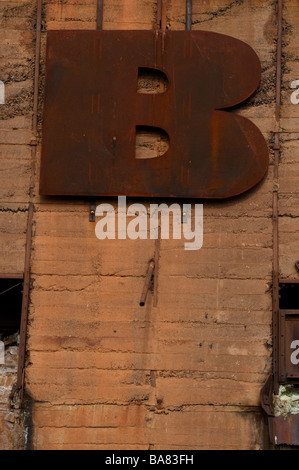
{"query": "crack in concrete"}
pixel 222 11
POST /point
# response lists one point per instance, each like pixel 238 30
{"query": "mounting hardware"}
pixel 147 281
pixel 92 212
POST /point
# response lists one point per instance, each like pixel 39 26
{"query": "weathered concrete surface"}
pixel 102 372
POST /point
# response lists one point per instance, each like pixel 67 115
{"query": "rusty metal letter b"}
pixel 92 109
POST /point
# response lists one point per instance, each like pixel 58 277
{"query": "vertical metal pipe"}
pixel 188 15
pixel 164 15
pixel 161 14
pixel 35 96
pixel 275 293
pixel 99 14
pixel 25 304
pixel 26 285
pixel 161 24
pixel 156 272
pixel 36 72
pixel 279 61
pixel 275 277
pixel 99 26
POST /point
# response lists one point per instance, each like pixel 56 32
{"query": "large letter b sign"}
pixel 92 110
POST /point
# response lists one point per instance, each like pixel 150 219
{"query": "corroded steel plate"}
pixel 289 346
pixel 92 109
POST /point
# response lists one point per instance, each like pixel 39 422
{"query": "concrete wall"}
pixel 101 371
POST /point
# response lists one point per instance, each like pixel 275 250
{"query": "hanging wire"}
pixel 13 287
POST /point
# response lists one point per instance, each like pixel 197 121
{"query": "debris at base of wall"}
pixel 12 427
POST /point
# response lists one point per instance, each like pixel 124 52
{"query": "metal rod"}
pixel 164 15
pixel 35 95
pixel 288 281
pixel 279 60
pixel 36 72
pixel 188 15
pixel 100 8
pixel 99 14
pixel 25 304
pixel 13 287
pixel 161 14
pixel 11 276
pixel 147 282
pixel 275 292
pixel 26 284
pixel 275 276
pixel 157 258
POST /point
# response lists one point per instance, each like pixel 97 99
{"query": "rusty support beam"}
pixel 279 61
pixel 11 276
pixel 25 304
pixel 33 142
pixel 99 26
pixel 157 257
pixel 188 15
pixel 100 9
pixel 275 289
pixel 288 280
pixel 36 72
pixel 275 295
pixel 26 284
pixel 147 283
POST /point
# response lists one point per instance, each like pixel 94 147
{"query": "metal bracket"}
pixel 188 15
pixel 147 282
pixel 92 212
